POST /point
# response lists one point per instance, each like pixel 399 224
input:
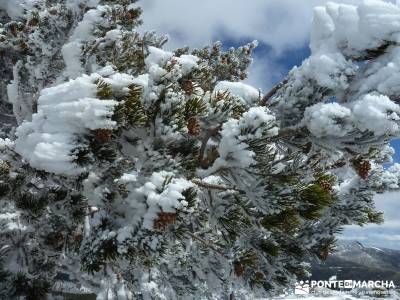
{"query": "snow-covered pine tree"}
pixel 138 173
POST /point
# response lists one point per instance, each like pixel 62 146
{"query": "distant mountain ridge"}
pixel 352 260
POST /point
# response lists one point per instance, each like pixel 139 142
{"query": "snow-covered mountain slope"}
pixel 352 260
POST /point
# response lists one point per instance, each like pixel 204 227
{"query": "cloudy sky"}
pixel 385 235
pixel 282 29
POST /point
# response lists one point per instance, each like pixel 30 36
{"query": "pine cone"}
pixel 14 29
pixel 55 239
pixel 239 268
pixel 188 86
pixel 103 135
pixel 132 14
pixel 77 236
pixel 164 220
pixel 259 276
pixel 323 255
pixel 33 22
pixel 53 11
pixel 326 185
pixel 193 126
pixel 363 168
pixel 23 46
pixel 4 167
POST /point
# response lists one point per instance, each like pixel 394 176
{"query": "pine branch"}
pixel 209 133
pixel 211 186
pixel 370 54
pixel 272 92
pixel 8 118
pixel 204 242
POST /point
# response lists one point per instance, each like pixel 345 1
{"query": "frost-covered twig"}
pixel 211 186
pixel 204 242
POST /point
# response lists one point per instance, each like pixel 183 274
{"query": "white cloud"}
pixel 384 235
pixel 281 24
pixel 264 71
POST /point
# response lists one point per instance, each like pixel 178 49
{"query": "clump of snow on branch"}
pixel 158 58
pixel 163 193
pixel 246 93
pixel 390 178
pixel 6 143
pixel 375 113
pixel 366 94
pixel 71 51
pixel 233 149
pixel 341 31
pixel 378 114
pixel 322 119
pixel 354 28
pixel 64 112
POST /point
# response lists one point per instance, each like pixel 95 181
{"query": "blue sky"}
pixel 282 29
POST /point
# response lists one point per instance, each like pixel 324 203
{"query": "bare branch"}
pixel 272 92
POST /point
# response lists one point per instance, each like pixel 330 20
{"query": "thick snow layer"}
pixel 383 75
pixel 83 32
pixel 157 56
pixel 9 221
pixel 6 143
pixel 157 59
pixel 331 119
pixel 64 112
pixel 188 63
pixel 22 108
pixel 378 114
pixel 340 34
pixel 71 53
pixel 341 31
pixel 129 177
pixel 327 69
pixel 246 93
pixel 161 196
pixel 233 150
pixel 355 28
